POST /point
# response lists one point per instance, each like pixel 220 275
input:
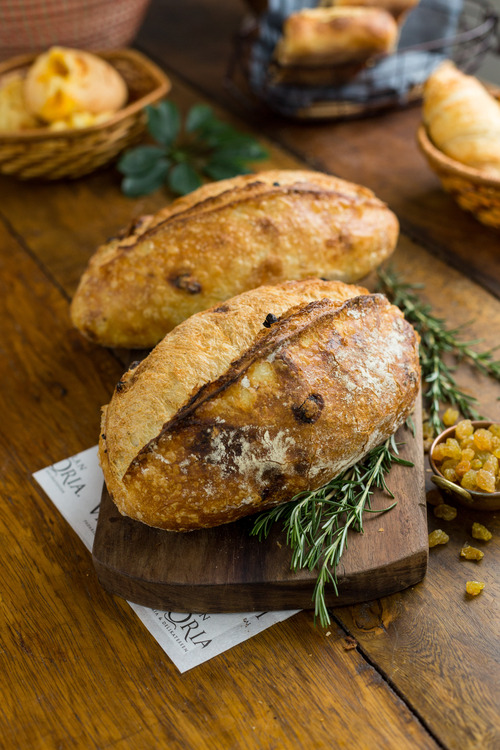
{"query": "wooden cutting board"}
pixel 226 570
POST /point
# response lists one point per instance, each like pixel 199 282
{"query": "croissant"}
pixel 462 118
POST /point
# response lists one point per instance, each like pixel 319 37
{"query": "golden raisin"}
pixel 453 449
pixel 481 532
pixel 469 480
pixel 467 454
pixel 485 481
pixel 462 467
pixel 450 416
pixel 471 553
pixel 482 439
pixel 491 464
pixel 494 429
pixel 464 429
pixel 473 588
pixel 446 512
pixel 467 442
pixel 439 452
pixel 427 430
pixel 438 537
pixel 476 464
pixel 450 474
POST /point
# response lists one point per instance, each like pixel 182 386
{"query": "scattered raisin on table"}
pixel 473 588
pixel 471 553
pixel 446 512
pixel 481 532
pixel 438 536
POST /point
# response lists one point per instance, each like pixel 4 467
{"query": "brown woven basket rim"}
pixel 162 87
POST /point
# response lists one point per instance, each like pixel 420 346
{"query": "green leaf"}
pixel 221 170
pixel 248 151
pixel 199 116
pixel 140 159
pixel 183 179
pixel 164 122
pixel 143 184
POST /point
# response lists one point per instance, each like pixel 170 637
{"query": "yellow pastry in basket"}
pixel 62 82
pixel 13 113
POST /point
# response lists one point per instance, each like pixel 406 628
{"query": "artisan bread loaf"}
pixel 462 118
pixel 223 239
pixel 242 406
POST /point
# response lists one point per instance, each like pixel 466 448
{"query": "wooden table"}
pixel 78 668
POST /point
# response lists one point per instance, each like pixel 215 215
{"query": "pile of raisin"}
pixel 471 458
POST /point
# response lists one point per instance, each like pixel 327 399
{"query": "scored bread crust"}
pixel 265 413
pixel 226 238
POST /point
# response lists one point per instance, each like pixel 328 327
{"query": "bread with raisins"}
pixel 246 404
pixel 223 239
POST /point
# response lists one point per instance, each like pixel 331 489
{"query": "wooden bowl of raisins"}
pixel 465 459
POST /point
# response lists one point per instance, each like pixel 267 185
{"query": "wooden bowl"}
pixel 473 190
pixel 52 155
pixel 468 498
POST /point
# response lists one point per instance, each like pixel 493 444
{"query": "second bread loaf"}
pixel 223 239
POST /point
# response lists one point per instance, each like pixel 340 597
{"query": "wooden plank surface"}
pixel 224 569
pixel 82 670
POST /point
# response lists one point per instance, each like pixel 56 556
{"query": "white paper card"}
pixel 75 485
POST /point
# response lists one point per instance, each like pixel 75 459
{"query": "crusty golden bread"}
pixel 242 406
pixel 462 118
pixel 62 82
pixel 223 239
pixel 315 37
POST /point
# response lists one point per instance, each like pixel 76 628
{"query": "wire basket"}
pixel 391 81
pixel 52 155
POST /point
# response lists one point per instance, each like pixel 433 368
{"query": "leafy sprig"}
pixel 185 154
pixel 438 342
pixel 317 523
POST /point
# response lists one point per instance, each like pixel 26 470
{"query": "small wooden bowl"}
pixel 468 498
pixel 52 155
pixel 473 190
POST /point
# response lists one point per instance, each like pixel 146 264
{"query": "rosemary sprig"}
pixel 437 340
pixel 316 523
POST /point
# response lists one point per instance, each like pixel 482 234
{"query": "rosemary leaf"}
pixel 316 523
pixel 437 340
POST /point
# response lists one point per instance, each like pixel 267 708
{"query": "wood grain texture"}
pixel 225 570
pixel 82 672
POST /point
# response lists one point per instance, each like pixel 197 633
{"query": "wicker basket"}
pixel 52 155
pixel 472 189
pixel 31 26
